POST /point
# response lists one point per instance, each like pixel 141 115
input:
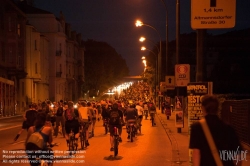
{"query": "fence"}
pixel 237 114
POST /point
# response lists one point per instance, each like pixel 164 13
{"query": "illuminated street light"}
pixel 139 23
pixel 142 39
pixel 158 76
pixel 143 48
pixel 156 70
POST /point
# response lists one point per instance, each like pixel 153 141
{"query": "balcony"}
pixel 59 53
pixel 58 74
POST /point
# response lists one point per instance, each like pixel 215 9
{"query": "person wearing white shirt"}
pixel 140 112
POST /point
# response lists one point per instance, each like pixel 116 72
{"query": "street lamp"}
pixel 156 62
pixel 166 70
pixel 156 71
pixel 142 39
pixel 144 61
pixel 139 24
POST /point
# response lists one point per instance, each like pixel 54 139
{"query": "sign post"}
pixel 182 75
pixel 170 82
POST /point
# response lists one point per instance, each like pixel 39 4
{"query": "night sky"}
pixel 113 21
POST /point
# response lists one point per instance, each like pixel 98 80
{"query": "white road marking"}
pixel 6 128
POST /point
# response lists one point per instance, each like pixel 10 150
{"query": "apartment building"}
pixel 65 54
pixel 12 51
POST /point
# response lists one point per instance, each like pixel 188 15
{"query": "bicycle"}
pixel 72 141
pixel 83 135
pixel 106 126
pixel 46 162
pixel 146 114
pixel 131 130
pixel 139 125
pixel 116 141
pixel 152 118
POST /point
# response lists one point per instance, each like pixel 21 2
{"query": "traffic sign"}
pixel 213 14
pixel 182 75
pixel 163 87
pixel 170 82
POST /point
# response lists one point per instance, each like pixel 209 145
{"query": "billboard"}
pixel 195 92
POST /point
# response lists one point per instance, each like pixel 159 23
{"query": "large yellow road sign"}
pixel 213 14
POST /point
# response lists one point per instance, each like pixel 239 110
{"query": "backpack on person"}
pixel 59 111
pixel 114 117
pixel 35 141
pixel 69 114
pixel 152 109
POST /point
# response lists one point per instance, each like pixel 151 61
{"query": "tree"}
pixel 104 67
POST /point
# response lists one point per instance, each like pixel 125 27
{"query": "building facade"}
pixel 12 51
pixel 65 55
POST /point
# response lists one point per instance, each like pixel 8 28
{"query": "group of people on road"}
pixel 129 108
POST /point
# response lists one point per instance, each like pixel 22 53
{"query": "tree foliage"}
pixel 104 67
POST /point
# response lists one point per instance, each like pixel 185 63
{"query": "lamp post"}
pixel 139 24
pixel 142 39
pixel 156 71
pixel 166 70
pixel 144 61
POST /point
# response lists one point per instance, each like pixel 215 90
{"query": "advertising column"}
pixel 195 92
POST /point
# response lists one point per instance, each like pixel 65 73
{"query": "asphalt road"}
pixel 152 147
pixel 9 127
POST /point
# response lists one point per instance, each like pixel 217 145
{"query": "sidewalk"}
pixel 180 141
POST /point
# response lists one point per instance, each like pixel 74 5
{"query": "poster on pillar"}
pixel 195 92
pixel 178 102
pixel 179 120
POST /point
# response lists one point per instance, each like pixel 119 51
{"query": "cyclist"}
pixel 84 118
pixel 131 115
pixel 140 113
pixel 114 121
pixel 105 113
pixel 71 122
pixel 91 115
pixel 46 133
pixel 99 109
pixel 145 107
pixel 94 116
pixel 60 120
pixel 29 118
pixel 152 111
pixel 120 110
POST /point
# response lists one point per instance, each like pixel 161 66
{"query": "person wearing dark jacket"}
pixel 223 135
